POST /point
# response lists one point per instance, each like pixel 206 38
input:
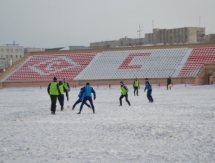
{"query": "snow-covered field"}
pixel 178 127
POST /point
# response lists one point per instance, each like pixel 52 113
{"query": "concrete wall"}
pixel 204 77
pixel 157 81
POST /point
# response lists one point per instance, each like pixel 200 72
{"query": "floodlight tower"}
pixel 139 31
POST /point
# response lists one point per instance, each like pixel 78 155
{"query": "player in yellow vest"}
pixel 66 85
pixel 61 97
pixel 136 86
pixel 124 93
pixel 54 92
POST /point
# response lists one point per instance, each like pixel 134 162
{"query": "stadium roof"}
pixel 54 49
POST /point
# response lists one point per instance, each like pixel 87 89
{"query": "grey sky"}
pixel 56 23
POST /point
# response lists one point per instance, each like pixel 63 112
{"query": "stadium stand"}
pixel 159 63
pixel 44 67
pixel 195 63
pixel 110 65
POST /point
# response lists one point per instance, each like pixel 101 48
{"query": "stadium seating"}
pixel 160 63
pixel 45 67
pixel 196 61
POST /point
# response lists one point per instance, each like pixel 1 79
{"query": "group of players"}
pixel 57 91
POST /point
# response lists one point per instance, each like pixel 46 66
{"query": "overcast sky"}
pixel 57 23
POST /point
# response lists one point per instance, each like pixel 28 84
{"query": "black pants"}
pixel 167 86
pixel 53 102
pixel 78 101
pixel 61 100
pixel 87 98
pixel 149 95
pixel 67 95
pixel 126 99
pixel 135 90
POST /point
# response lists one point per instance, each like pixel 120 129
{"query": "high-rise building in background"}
pixel 185 35
pixel 11 53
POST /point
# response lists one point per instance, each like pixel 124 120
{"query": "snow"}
pixel 178 127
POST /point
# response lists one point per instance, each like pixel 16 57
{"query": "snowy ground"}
pixel 178 127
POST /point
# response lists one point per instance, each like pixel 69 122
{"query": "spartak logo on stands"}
pixel 54 65
pixel 126 63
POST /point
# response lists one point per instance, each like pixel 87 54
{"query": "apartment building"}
pixel 188 35
pixel 209 38
pixel 10 54
pixel 185 35
pixel 118 43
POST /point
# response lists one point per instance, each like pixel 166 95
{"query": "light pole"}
pixel 139 31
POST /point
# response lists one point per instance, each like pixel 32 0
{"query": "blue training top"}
pixel 148 86
pixel 87 90
pixel 81 94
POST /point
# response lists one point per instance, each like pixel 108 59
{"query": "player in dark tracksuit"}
pixel 81 98
pixel 124 93
pixel 148 87
pixel 169 81
pixel 87 90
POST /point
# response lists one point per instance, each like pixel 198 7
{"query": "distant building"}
pixel 209 38
pixel 9 54
pixel 28 50
pixel 77 47
pixel 185 35
pixel 54 49
pixel 106 44
pixel 117 43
